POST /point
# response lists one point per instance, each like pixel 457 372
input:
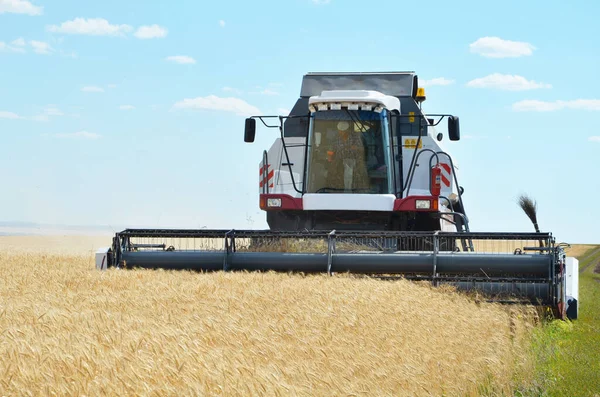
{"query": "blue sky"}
pixel 96 130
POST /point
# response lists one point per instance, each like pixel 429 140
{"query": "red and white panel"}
pixel 446 175
pixel 266 176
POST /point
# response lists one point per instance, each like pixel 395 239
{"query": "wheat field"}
pixel 67 329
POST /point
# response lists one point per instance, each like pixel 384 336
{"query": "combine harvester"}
pixel 358 182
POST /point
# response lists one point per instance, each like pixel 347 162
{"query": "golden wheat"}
pixel 577 250
pixel 67 329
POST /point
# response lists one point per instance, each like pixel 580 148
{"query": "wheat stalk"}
pixel 529 206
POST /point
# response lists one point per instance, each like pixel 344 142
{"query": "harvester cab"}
pixel 358 153
pixel 358 182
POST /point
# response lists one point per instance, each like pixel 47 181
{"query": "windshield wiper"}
pixel 356 120
pixel 361 124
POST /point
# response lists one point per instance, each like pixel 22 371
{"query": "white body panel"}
pixel 281 180
pixel 348 202
pixel 102 258
pixel 420 181
pixel 445 224
pixel 572 273
pixel 572 286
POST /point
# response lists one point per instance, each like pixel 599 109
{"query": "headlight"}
pixel 422 204
pixel 274 202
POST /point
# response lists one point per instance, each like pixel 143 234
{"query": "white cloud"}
pixel 212 102
pixel 91 88
pixel 49 111
pixel 20 7
pixel 183 59
pixel 53 111
pixel 9 115
pixel 506 82
pixel 283 111
pixel 151 32
pixel 544 106
pixel 232 90
pixel 20 42
pixel 126 107
pixel 495 47
pixel 71 54
pixel 584 104
pixel 222 23
pixel 264 91
pixel 6 47
pixel 435 81
pixel 90 26
pixel 319 2
pixel 269 92
pixel 40 47
pixel 78 135
pixel 536 106
pixel 594 139
pixel 20 45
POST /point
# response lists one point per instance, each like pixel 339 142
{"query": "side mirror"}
pixel 453 128
pixel 250 130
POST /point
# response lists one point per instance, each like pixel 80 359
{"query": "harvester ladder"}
pixel 265 173
pixel 464 225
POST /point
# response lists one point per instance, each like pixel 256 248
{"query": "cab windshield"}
pixel 349 152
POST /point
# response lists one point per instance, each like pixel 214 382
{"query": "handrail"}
pixel 265 172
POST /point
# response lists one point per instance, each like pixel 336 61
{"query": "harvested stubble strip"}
pixel 303 245
pixel 69 329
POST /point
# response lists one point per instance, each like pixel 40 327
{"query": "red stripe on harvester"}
pixel 445 181
pixel 260 170
pixel 269 177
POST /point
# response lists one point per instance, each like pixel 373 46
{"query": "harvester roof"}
pixel 398 84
